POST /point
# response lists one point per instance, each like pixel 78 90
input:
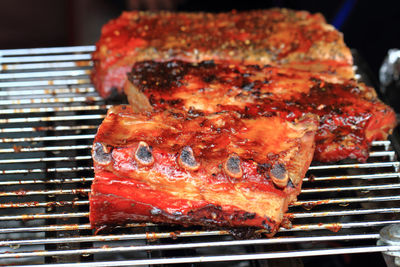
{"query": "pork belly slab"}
pixel 351 115
pixel 218 170
pixel 276 36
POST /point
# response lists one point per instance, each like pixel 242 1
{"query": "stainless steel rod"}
pixel 44 216
pixel 68 227
pixel 58 82
pixel 54 118
pixel 185 246
pixel 31 101
pixel 47 138
pixel 47 50
pixel 312 203
pixel 36 204
pixel 45 65
pixel 49 181
pixel 45 58
pixel 39 149
pixel 51 91
pixel 45 192
pixel 125 237
pixel 342 213
pixel 381 143
pixel 356 165
pixel 256 256
pixel 335 227
pixel 65 169
pixel 355 176
pixel 48 159
pixel 54 109
pixel 352 188
pixel 42 74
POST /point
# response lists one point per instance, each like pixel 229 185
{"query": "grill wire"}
pixel 49 113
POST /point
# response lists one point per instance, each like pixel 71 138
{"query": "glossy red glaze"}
pixel 278 36
pixel 116 200
pixel 351 116
pixel 215 185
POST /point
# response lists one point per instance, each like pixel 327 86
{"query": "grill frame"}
pixel 48 108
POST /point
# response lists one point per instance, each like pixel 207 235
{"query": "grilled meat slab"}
pixel 351 115
pixel 277 36
pixel 219 169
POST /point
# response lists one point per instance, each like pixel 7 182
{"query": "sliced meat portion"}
pixel 192 169
pixel 351 115
pixel 276 36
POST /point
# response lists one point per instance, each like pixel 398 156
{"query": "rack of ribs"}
pixel 226 111
pixel 351 115
pixel 277 36
pixel 188 168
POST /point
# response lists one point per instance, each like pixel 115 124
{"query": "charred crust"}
pixel 144 154
pixel 232 166
pixel 160 76
pixel 195 112
pixel 207 63
pixel 248 86
pixel 101 154
pixel 267 226
pixel 245 233
pixel 263 168
pixel 187 159
pixel 209 78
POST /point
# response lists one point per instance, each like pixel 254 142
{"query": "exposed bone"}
pixel 279 175
pixel 232 166
pixel 101 154
pixel 143 154
pixel 187 159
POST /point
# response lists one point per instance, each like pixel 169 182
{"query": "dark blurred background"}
pixel 372 27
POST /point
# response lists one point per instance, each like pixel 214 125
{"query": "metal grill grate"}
pixel 49 113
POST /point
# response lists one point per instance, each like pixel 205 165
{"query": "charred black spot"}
pixel 248 86
pixel 101 154
pixel 278 171
pixel 209 78
pixel 144 154
pixel 207 63
pixel 266 226
pixel 249 215
pixel 195 112
pixel 174 102
pixel 176 115
pixel 255 66
pixel 315 80
pixel 187 157
pixel 233 166
pixel 263 168
pixel 159 76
